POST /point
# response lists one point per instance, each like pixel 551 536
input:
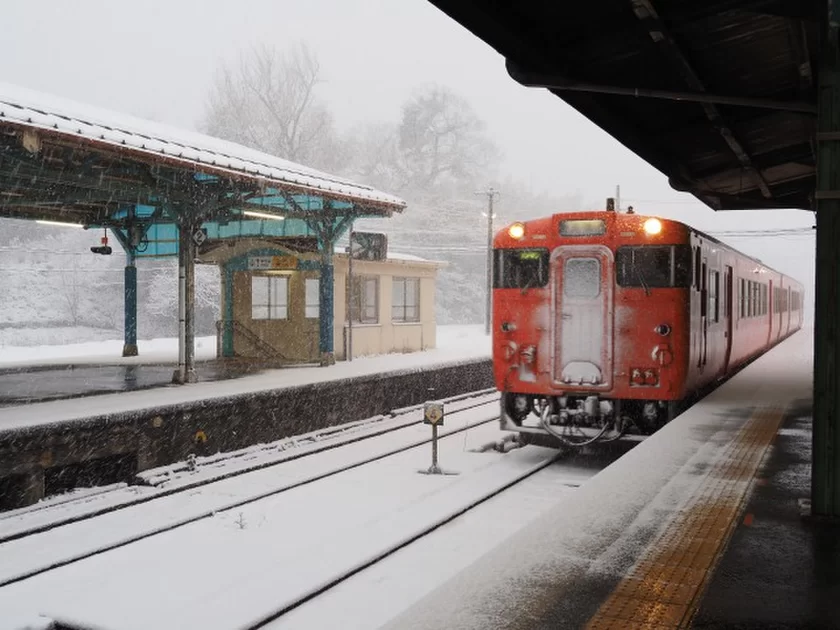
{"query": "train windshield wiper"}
pixel 640 275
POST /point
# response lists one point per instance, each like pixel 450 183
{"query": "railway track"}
pixel 77 539
pixel 154 484
pixel 397 544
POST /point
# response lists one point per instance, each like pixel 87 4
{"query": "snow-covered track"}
pixel 176 478
pixel 400 540
pixel 53 547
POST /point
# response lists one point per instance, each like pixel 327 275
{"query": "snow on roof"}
pixel 25 107
pixel 342 249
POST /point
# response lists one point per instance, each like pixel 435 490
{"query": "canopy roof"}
pixel 69 162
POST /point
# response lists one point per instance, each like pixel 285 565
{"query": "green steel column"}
pixel 326 312
pixel 130 291
pixel 227 316
pixel 825 475
pixel 186 303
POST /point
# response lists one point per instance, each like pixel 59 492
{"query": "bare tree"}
pixel 441 138
pixel 267 102
pixel 374 156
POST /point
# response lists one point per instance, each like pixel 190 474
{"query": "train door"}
pixel 765 304
pixel 778 299
pixel 704 314
pixel 582 315
pixel 727 315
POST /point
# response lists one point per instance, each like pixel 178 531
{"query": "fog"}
pixel 158 59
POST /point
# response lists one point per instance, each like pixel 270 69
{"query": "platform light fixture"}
pixel 59 223
pixel 263 215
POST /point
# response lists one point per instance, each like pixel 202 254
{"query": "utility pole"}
pixel 618 198
pixel 491 193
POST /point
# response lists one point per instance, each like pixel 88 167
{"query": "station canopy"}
pixel 719 95
pixel 66 162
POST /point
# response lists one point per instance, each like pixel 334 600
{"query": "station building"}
pixel 270 301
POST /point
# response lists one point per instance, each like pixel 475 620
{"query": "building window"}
pixel 405 302
pixel 269 297
pixel 313 298
pixel 364 300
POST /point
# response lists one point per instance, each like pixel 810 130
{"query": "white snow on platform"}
pixel 455 344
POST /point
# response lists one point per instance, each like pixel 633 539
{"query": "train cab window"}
pixel 520 268
pixel 582 278
pixel 653 266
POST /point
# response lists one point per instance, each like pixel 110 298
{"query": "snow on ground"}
pixel 468 340
pixel 602 529
pixel 238 566
pixel 455 344
pixel 83 501
pixel 19 557
pixel 372 597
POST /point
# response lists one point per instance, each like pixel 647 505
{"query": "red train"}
pixel 606 323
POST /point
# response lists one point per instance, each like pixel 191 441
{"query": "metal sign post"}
pixel 433 414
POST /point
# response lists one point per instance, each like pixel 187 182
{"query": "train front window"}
pixel 582 278
pixel 653 266
pixel 520 268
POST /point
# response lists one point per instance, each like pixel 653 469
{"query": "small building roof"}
pixel 27 108
pixel 74 163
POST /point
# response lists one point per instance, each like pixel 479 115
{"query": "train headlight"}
pixel 653 226
pixel 517 231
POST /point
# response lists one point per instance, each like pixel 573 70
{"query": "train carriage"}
pixel 607 323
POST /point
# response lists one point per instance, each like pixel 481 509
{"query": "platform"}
pixel 648 543
pixel 116 435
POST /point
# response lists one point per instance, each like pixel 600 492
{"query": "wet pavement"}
pixel 38 384
pixel 780 570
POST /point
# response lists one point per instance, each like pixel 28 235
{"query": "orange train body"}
pixel 604 323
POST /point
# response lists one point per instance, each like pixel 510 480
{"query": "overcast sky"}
pixel 156 59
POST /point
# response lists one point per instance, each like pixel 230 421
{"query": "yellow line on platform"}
pixel 663 590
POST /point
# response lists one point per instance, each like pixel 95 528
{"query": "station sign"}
pixel 272 263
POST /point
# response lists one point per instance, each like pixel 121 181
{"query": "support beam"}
pixel 130 291
pixel 649 18
pixel 551 81
pixel 186 303
pixel 825 474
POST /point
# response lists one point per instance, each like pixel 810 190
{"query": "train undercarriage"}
pixel 580 420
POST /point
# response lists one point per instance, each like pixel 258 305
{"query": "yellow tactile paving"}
pixel 662 591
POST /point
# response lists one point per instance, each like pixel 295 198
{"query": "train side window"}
pixel 520 268
pixel 697 268
pixel 714 295
pixel 743 296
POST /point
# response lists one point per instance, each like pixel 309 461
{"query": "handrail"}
pixel 264 348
